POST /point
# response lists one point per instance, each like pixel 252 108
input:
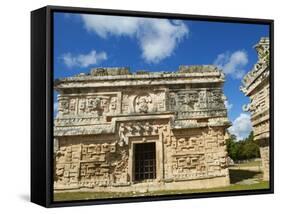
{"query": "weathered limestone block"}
pixel 265 161
pixel 256 86
pixel 89 165
pixel 121 131
pixel 110 71
pixel 144 101
pixel 200 153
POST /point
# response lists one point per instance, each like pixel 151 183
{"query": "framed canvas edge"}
pixel 38 187
pixel 49 105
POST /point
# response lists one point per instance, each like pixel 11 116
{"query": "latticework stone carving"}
pixel 103 115
pixel 256 86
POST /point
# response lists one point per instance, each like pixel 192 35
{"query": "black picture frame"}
pixel 42 104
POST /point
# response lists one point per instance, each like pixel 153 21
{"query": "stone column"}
pixel 256 85
pixel 264 152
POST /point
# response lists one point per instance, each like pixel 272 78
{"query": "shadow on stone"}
pixel 238 175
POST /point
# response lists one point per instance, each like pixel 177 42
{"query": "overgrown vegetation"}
pixel 243 149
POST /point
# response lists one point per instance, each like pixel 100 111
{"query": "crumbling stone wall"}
pixel 196 153
pixel 101 118
pixel 256 86
pixel 90 163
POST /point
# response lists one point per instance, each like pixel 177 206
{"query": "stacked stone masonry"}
pixel 103 115
pixel 256 86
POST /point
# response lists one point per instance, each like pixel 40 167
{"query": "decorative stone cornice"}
pixel 103 116
pixel 121 76
pixel 260 71
pixel 256 87
pixel 87 103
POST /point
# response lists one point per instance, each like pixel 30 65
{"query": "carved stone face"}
pixel 143 107
pixel 142 104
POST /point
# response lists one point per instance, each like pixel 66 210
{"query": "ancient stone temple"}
pixel 256 86
pixel 118 130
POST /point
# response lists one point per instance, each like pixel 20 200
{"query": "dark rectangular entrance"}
pixel 145 161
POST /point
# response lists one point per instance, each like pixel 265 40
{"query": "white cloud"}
pixel 83 60
pixel 106 25
pixel 233 63
pixel 157 38
pixel 228 105
pixel 241 126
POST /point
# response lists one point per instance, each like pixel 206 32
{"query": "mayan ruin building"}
pixel 119 130
pixel 256 87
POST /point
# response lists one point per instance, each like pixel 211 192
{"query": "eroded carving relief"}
pixel 89 165
pixel 135 102
pixel 260 70
pixel 197 154
pixel 88 105
pixel 76 110
pixel 111 109
pixel 143 103
pixel 256 86
pixel 139 128
pixel 63 105
pixel 198 103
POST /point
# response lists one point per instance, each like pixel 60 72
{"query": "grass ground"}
pixel 252 163
pixel 237 176
pixel 66 196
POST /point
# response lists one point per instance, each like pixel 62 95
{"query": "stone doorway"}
pixel 145 161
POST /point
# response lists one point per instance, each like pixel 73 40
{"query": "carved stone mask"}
pixel 142 104
pixel 63 105
pixel 94 104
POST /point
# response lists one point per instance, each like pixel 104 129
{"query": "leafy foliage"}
pixel 243 149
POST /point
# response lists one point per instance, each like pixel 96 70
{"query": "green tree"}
pixel 232 147
pixel 243 149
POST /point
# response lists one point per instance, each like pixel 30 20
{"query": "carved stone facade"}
pixel 256 87
pixel 103 116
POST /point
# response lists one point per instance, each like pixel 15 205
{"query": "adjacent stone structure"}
pixel 256 86
pixel 121 131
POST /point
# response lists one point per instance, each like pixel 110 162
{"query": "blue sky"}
pixel 82 42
